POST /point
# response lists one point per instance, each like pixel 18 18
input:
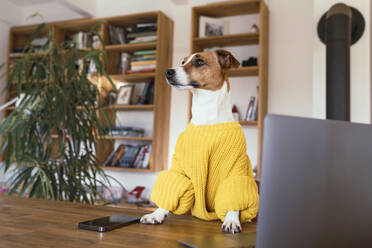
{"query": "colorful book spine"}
pixel 151 62
pixel 143 59
pixel 143 67
pixel 140 71
pixel 144 52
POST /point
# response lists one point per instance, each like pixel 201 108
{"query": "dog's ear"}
pixel 226 59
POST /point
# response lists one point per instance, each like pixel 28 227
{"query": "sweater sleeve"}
pixel 238 191
pixel 173 190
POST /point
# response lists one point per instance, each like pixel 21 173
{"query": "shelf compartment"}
pixel 227 40
pixel 131 47
pixel 131 107
pixel 225 9
pixel 127 169
pixel 243 71
pixel 133 77
pixel 108 137
pixel 248 123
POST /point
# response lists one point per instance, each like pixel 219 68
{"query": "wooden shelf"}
pixel 131 47
pixel 259 39
pixel 19 36
pixel 126 169
pixel 243 71
pixel 133 77
pixel 10 108
pixel 131 107
pixel 108 137
pixel 227 8
pixel 22 55
pixel 227 40
pixel 248 123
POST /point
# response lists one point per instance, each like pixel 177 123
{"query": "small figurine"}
pixel 254 28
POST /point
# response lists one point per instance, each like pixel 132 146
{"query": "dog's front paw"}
pixel 157 217
pixel 232 223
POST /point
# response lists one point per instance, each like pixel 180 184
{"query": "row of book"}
pixel 137 33
pixel 84 40
pixel 147 94
pixel 37 45
pixel 130 156
pixel 140 61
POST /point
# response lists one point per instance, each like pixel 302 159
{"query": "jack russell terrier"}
pixel 211 174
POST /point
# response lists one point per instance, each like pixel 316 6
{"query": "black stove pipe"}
pixel 337 29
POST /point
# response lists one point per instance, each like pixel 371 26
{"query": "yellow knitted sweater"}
pixel 210 174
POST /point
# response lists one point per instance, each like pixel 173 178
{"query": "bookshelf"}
pixel 229 9
pixel 160 109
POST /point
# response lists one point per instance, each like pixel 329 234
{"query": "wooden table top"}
pixel 26 222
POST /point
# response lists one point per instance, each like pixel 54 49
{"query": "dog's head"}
pixel 203 70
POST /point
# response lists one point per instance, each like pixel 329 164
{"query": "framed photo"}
pixel 209 26
pixel 124 95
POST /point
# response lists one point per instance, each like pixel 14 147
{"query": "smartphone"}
pixel 108 223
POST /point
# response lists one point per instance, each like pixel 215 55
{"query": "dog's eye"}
pixel 199 62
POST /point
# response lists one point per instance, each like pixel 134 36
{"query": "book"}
pixel 125 131
pixel 147 96
pixel 120 153
pixel 117 35
pixel 144 27
pixel 144 52
pixel 140 71
pixel 249 109
pixel 146 159
pixel 142 67
pixel 81 40
pixel 255 108
pixel 113 158
pixel 142 34
pixel 124 62
pixel 134 59
pixel 109 158
pixel 151 62
pixel 130 154
pixel 140 156
pixel 143 39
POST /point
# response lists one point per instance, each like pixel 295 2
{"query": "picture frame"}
pixel 209 26
pixel 124 95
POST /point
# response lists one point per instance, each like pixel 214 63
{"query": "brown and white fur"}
pixel 204 75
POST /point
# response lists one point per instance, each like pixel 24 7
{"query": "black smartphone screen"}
pixel 108 223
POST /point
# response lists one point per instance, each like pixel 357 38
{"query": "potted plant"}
pixel 50 138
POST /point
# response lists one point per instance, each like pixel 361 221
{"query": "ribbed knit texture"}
pixel 210 174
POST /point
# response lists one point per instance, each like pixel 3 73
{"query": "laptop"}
pixel 316 187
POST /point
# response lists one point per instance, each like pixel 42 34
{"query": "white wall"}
pixel 360 69
pixel 49 12
pixel 290 57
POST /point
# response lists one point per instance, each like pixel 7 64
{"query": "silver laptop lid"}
pixel 316 184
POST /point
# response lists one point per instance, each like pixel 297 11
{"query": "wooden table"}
pixel 26 222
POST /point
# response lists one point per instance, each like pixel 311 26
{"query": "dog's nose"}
pixel 169 73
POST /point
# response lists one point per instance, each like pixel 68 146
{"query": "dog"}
pixel 211 174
